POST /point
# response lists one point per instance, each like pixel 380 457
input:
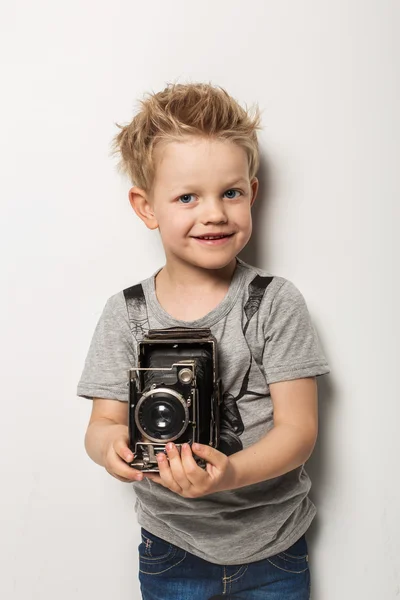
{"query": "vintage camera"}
pixel 174 394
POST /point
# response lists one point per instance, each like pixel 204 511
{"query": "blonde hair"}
pixel 184 109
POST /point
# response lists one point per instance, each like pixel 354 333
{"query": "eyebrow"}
pixel 241 180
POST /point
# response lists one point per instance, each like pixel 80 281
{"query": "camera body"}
pixel 174 394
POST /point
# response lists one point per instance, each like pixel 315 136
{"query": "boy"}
pixel 235 529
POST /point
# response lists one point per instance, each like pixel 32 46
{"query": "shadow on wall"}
pixel 252 253
pixel 319 467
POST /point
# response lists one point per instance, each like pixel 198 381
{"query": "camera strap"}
pixel 179 332
pixel 139 319
pixel 137 311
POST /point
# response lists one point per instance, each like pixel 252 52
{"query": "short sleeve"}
pixel 292 348
pixel 110 356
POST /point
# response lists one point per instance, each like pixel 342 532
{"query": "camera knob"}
pixel 185 375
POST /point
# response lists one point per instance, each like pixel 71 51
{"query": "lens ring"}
pixel 167 392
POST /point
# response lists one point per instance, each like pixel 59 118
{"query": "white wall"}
pixel 326 75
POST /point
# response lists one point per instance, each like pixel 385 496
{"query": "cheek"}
pixel 173 225
pixel 243 219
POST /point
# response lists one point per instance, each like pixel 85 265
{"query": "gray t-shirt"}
pixel 264 335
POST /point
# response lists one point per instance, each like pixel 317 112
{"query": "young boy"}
pixel 235 529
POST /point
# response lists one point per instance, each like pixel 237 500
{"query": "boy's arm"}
pixel 290 442
pixel 286 446
pixel 106 439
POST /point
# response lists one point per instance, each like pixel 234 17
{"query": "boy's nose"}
pixel 214 212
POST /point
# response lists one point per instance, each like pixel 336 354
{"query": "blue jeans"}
pixel 167 572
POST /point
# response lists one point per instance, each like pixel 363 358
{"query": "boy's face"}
pixel 201 190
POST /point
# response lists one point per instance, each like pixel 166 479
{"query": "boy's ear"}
pixel 140 204
pixel 254 189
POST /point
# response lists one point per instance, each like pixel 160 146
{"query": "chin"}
pixel 215 264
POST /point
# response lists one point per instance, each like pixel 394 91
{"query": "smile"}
pixel 214 240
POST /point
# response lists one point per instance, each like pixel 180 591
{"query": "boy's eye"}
pixel 186 198
pixel 231 194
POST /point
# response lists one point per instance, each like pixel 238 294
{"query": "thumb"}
pixel 123 451
pixel 209 454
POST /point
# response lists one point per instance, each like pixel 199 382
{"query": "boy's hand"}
pixel 116 454
pixel 181 474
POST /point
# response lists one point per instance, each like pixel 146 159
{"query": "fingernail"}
pixel 129 457
pixel 186 447
pixel 160 456
pixel 170 446
pixel 139 476
pixel 196 446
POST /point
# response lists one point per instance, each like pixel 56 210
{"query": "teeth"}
pixel 216 237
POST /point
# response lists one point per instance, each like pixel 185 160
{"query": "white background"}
pixel 326 76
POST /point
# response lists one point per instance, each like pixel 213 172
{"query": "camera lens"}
pixel 162 415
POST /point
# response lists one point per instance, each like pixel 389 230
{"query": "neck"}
pixel 190 277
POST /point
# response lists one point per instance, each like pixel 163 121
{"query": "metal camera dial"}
pixel 185 375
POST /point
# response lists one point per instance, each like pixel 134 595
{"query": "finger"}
pixel 123 451
pixel 128 474
pixel 166 473
pixel 195 474
pixel 176 466
pixel 117 466
pixel 123 479
pixel 210 455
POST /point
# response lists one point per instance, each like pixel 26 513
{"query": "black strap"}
pixel 179 332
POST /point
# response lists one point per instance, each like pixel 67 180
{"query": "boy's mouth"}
pixel 216 236
pixel 213 240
